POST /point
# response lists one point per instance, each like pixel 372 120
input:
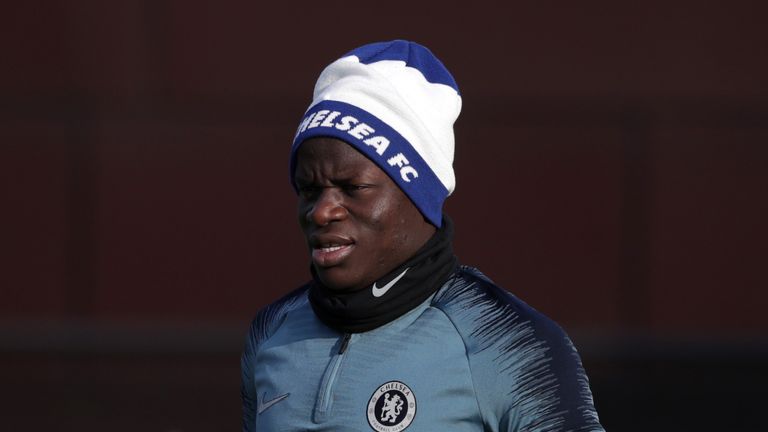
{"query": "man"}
pixel 391 333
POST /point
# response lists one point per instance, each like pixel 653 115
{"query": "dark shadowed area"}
pixel 612 171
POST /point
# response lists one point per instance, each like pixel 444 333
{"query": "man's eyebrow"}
pixel 300 179
pixel 345 179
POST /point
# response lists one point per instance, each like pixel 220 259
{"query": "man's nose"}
pixel 328 207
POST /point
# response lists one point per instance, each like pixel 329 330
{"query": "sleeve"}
pixel 548 391
pixel 526 373
pixel 529 377
pixel 247 388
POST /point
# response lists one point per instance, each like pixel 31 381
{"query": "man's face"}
pixel 358 224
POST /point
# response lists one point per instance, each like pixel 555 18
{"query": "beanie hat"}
pixel 396 103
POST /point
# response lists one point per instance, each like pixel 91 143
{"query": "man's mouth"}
pixel 330 252
pixel 330 248
pixel 330 255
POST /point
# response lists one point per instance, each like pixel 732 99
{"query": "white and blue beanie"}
pixel 396 103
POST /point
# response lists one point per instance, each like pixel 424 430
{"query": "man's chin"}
pixel 337 279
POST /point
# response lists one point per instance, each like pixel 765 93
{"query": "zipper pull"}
pixel 344 343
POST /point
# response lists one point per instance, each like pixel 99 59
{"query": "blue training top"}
pixel 471 358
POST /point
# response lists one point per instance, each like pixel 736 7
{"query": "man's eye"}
pixel 354 188
pixel 308 190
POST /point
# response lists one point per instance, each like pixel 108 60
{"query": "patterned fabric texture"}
pixel 472 357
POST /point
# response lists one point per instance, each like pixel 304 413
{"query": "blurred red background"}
pixel 612 172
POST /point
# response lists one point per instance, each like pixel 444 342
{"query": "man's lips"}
pixel 331 256
pixel 328 251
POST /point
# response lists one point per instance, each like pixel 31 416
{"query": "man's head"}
pixel 358 224
pixel 387 110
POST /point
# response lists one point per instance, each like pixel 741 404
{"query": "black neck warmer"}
pixel 414 281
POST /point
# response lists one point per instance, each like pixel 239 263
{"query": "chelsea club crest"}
pixel 392 407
